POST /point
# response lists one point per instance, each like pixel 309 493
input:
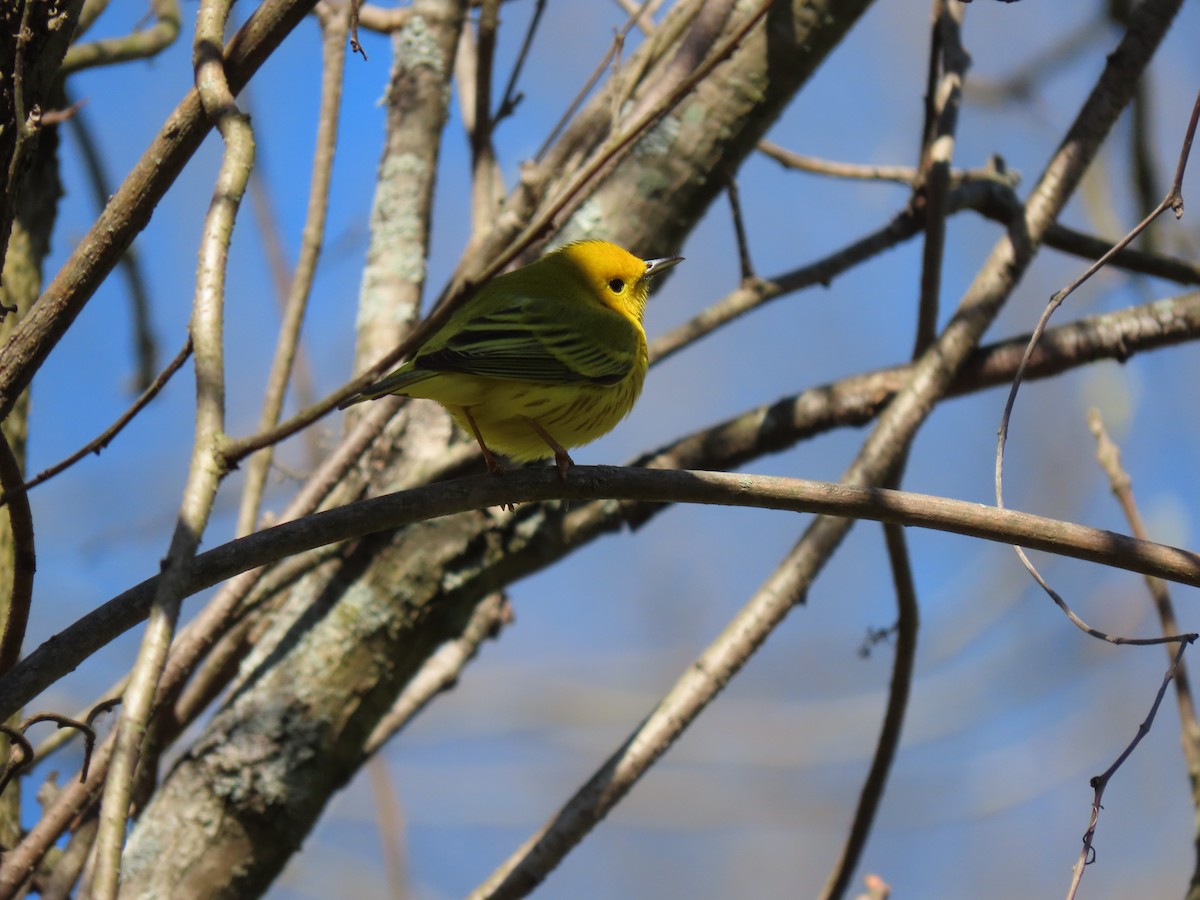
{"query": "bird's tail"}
pixel 396 383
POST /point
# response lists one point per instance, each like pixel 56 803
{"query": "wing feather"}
pixel 543 340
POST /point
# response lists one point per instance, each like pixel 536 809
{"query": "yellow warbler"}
pixel 543 358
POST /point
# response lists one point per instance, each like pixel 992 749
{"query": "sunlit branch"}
pixel 334 31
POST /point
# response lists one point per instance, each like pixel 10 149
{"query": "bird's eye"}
pixel 616 285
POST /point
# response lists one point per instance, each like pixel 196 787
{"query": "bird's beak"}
pixel 654 266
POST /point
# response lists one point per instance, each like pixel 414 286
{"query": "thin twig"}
pixel 511 97
pixel 84 728
pixel 906 175
pixel 745 262
pixel 1109 456
pixel 947 70
pixel 905 225
pixel 57 739
pixel 106 437
pixel 1058 237
pixel 1173 200
pixel 355 46
pixel 391 827
pixel 907 627
pixel 947 64
pixel 144 343
pixel 614 49
pixel 1100 782
pixel 20 754
pixel 27 755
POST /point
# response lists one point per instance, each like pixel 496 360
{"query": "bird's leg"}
pixel 561 458
pixel 493 465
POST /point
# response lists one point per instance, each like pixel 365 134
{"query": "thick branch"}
pixel 388 513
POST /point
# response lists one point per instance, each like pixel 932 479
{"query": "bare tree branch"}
pixel 1173 200
pixel 334 29
pixel 129 209
pixel 849 403
pixel 206 469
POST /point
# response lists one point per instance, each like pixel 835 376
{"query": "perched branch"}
pixel 592 482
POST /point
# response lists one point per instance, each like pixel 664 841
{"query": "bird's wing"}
pixel 543 340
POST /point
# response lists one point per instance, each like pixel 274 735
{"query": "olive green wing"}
pixel 546 340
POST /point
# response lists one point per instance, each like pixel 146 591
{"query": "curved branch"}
pixel 71 646
pixel 850 402
pixel 142 44
pixel 206 469
pixel 334 29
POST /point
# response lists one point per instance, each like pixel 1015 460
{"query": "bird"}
pixel 544 358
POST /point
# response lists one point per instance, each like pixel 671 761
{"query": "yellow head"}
pixel 615 277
